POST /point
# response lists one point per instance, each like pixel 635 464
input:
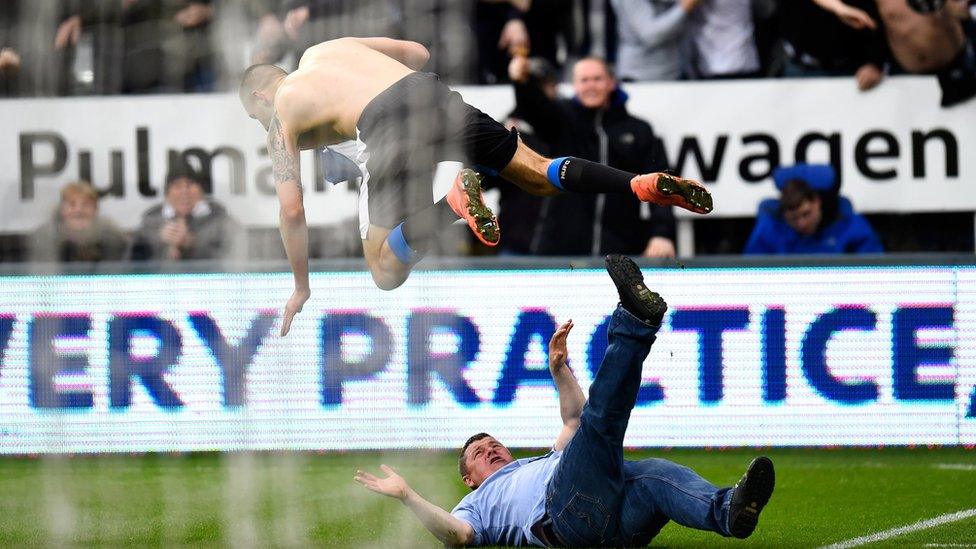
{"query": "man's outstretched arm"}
pixel 849 15
pixel 283 149
pixel 411 54
pixel 571 397
pixel 447 528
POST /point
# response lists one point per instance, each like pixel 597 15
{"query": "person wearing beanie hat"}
pixel 188 224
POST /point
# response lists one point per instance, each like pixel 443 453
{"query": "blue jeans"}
pixel 596 498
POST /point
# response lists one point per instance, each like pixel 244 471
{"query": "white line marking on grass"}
pixel 956 466
pixel 895 532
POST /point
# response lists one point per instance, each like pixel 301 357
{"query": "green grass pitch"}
pixel 301 498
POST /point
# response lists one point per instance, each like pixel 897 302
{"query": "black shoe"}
pixel 750 495
pixel 634 295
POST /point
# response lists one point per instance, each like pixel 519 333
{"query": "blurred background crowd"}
pixel 128 47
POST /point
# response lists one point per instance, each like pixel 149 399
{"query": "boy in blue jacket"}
pixel 809 218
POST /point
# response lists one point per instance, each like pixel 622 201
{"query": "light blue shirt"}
pixel 506 505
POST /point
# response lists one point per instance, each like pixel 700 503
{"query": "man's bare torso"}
pixel 334 82
pixel 921 43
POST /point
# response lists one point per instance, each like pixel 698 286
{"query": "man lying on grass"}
pixel 583 492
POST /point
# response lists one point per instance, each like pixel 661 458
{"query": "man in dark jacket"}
pixel 596 126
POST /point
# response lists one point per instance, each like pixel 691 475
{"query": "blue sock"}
pixel 401 249
pixel 552 172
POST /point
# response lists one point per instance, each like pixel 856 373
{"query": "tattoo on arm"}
pixel 284 165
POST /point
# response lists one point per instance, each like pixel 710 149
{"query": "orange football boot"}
pixel 670 190
pixel 468 202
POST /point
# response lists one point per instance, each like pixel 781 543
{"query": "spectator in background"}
pixel 925 37
pixel 286 28
pixel 518 211
pixel 551 23
pixel 143 46
pixel 271 43
pixel 76 232
pixel 500 35
pixel 9 48
pixel 595 125
pixel 509 28
pixel 810 217
pixel 9 71
pixel 650 34
pixel 187 225
pixel 292 26
pixel 818 44
pixel 720 41
pixel 28 66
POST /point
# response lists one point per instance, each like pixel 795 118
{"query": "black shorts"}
pixel 409 128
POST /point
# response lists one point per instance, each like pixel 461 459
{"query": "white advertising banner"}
pixel 792 356
pixel 896 148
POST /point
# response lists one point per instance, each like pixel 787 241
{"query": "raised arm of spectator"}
pixel 571 397
pixel 8 22
pixel 849 15
pixel 194 14
pixel 532 104
pixel 877 48
pixel 68 33
pixel 514 37
pixel 876 54
pixel 9 56
pixel 9 60
pixel 653 28
pixel 447 528
pixel 520 5
pixel 79 14
pixel 270 41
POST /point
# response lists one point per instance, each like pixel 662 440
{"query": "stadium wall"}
pixel 747 356
pixel 896 150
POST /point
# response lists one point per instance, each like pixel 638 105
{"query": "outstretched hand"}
pixel 868 76
pixel 393 485
pixel 9 60
pixel 659 246
pixel 557 346
pixel 514 38
pixel 293 307
pixel 519 69
pixel 69 32
pixel 855 18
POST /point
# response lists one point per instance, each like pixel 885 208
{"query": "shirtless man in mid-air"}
pixel 404 123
